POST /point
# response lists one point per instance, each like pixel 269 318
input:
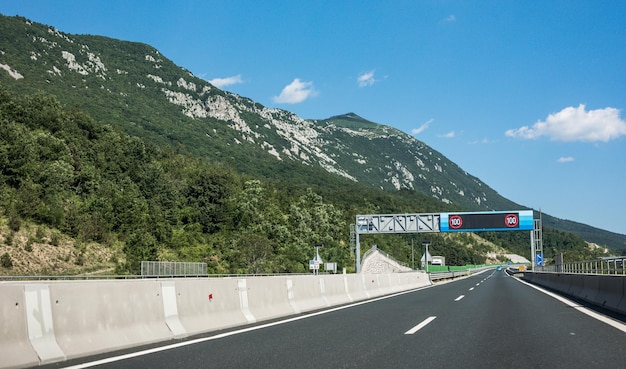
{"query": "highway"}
pixel 486 320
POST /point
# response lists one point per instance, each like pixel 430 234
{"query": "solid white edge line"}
pixel 232 333
pixel 603 318
pixel 421 325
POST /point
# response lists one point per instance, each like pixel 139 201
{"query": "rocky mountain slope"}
pixel 133 86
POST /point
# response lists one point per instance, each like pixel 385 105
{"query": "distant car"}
pixel 499 268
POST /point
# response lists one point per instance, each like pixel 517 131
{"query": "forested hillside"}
pixel 90 186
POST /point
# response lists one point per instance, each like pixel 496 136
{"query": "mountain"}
pixel 134 87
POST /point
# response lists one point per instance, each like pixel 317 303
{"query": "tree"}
pixel 207 195
pixel 253 253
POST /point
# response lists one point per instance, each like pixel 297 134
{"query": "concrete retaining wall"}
pixel 608 291
pixel 57 320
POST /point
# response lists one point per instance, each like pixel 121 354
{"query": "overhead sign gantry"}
pixel 517 220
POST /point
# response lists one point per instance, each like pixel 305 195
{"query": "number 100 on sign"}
pixel 487 221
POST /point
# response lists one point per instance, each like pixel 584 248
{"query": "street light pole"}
pixel 426 243
pixel 412 254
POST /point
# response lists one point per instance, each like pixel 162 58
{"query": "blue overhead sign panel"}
pixel 520 220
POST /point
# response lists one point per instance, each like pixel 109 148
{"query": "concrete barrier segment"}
pixel 15 348
pixel 591 285
pixel 291 296
pixel 323 291
pixel 372 285
pixel 576 284
pixel 356 286
pixel 347 288
pixel 621 306
pixel 91 317
pixel 611 292
pixel 334 289
pixel 267 297
pixel 307 293
pixel 562 282
pixel 242 288
pixel 39 321
pixel 365 282
pixel 170 309
pixel 209 304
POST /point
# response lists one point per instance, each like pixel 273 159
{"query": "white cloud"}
pixel 484 141
pixel 422 128
pixel 450 134
pixel 223 82
pixel 576 124
pixel 366 79
pixel 449 19
pixel 295 92
pixel 565 159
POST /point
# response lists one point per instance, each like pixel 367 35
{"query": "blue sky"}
pixel 528 96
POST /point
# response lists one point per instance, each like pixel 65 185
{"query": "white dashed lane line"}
pixel 421 325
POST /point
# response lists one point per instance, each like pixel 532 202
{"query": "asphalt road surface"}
pixel 486 320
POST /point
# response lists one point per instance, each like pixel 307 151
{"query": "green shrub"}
pixel 29 245
pixel 15 223
pixel 9 238
pixel 6 261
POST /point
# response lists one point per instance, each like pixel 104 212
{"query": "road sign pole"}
pixel 357 252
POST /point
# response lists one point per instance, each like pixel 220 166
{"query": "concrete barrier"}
pixel 305 293
pixel 97 316
pixel 268 297
pixel 575 285
pixel 355 285
pixel 44 323
pixel 371 283
pixel 591 285
pixel 15 348
pixel 334 289
pixel 621 306
pixel 170 309
pixel 40 323
pixel 608 291
pixel 206 305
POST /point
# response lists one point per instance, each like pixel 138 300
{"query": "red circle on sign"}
pixel 511 220
pixel 455 222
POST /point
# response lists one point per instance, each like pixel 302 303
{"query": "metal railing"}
pixel 611 265
pixel 172 268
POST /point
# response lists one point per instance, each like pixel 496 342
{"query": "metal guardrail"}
pixel 613 265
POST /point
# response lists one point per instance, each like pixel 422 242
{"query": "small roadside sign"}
pixel 539 259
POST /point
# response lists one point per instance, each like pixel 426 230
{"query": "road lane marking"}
pixel 459 298
pixel 421 325
pixel 471 289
